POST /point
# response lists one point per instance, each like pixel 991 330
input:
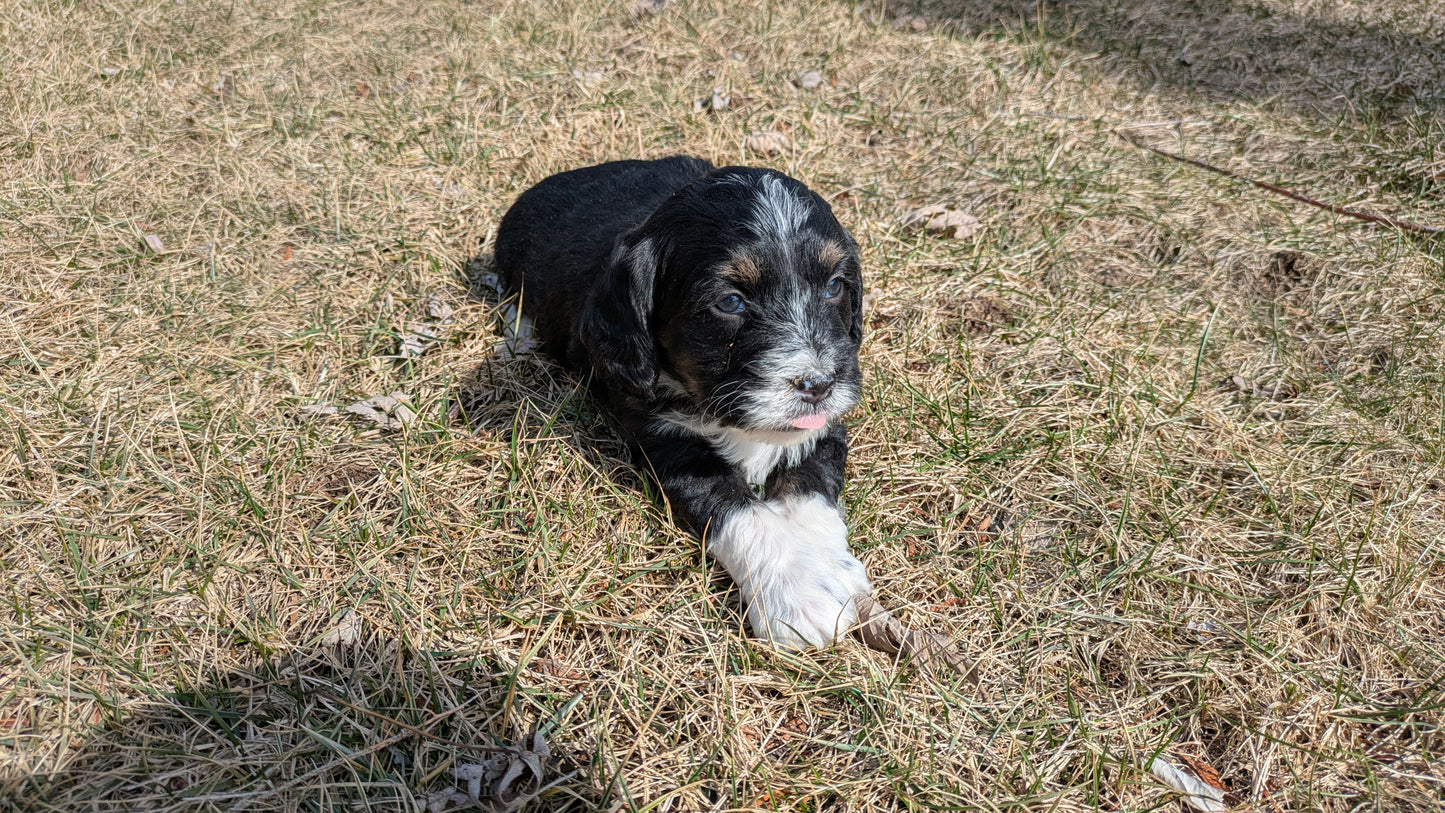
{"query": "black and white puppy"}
pixel 718 313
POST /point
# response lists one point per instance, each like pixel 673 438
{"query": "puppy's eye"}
pixel 732 303
pixel 835 287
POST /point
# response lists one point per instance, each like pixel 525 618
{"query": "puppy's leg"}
pixel 791 560
pixel 787 552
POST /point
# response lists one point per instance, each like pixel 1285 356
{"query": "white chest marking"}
pixel 755 452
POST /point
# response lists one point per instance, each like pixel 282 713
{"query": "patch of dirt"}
pixel 983 315
pixel 1285 271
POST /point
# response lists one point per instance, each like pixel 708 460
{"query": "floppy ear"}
pixel 855 327
pixel 616 321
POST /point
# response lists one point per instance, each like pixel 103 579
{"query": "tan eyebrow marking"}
pixel 831 254
pixel 742 269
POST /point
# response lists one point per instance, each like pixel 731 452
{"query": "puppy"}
pixel 718 313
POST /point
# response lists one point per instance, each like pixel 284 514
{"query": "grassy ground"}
pixel 1163 452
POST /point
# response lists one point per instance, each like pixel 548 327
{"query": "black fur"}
pixel 629 270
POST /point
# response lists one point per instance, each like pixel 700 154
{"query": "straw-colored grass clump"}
pixel 1162 452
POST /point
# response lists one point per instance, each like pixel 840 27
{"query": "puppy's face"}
pixel 756 315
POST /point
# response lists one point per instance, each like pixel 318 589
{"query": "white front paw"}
pixel 790 558
pixel 807 602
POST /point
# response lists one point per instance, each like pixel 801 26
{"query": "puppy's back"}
pixel 555 241
pixel 564 227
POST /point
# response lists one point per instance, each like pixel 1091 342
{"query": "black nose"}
pixel 814 388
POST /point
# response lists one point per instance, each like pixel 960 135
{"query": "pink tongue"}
pixel 814 421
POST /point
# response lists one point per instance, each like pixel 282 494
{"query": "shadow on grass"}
pixel 1321 63
pixel 373 725
pixel 518 392
pixel 334 726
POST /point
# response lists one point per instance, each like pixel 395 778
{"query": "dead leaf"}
pixel 791 728
pixel 1198 793
pixel 437 306
pixel 556 668
pixel 1206 772
pixel 154 244
pixel 767 142
pixel 1037 535
pixel 1204 631
pixel 647 8
pixel 224 86
pixel 390 412
pixel 808 80
pixel 518 337
pixel 934 654
pixel 944 219
pixel 770 799
pixel 421 336
pixel 503 783
pixel 346 632
pixel 718 102
pixel 587 78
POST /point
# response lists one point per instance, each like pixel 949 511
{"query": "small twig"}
pixel 933 654
pixel 1403 225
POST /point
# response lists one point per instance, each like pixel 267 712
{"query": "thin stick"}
pixel 1403 225
pixel 934 655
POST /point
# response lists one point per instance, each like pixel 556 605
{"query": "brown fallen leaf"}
pixel 1198 793
pixel 420 335
pixel 224 86
pixel 390 412
pixel 556 668
pixel 503 783
pixel 419 338
pixel 587 79
pixel 719 101
pixel 771 799
pixel 808 80
pixel 934 654
pixel 647 8
pixel 944 219
pixel 346 632
pixel 154 244
pixel 1207 773
pixel 767 142
pixel 916 22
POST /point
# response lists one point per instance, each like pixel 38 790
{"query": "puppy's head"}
pixel 742 295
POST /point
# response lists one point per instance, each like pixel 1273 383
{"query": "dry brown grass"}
pixel 1164 453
